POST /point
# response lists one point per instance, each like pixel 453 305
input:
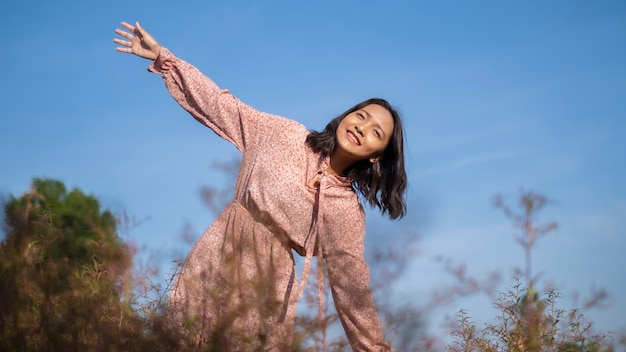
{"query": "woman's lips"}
pixel 353 138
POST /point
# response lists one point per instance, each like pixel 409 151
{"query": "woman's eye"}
pixel 360 116
pixel 377 133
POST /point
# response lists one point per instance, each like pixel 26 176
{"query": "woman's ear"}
pixel 376 158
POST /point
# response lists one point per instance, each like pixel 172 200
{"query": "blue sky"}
pixel 495 96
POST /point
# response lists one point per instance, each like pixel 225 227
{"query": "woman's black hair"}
pixel 383 183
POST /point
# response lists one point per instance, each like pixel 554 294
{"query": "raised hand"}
pixel 139 42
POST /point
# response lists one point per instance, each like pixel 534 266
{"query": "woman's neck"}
pixel 338 164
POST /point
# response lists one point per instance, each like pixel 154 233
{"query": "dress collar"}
pixel 334 180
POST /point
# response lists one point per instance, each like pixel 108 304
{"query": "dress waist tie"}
pixel 311 244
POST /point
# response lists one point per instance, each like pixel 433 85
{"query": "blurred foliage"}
pixel 61 266
pixel 529 321
pixel 68 283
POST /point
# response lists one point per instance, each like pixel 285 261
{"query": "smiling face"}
pixel 364 134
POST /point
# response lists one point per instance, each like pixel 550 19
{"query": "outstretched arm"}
pixel 139 42
pixel 212 106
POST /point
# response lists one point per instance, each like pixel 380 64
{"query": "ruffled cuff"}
pixel 163 62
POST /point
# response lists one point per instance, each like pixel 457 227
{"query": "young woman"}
pixel 296 191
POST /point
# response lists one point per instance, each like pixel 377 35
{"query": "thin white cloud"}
pixel 469 161
pixel 450 139
pixel 607 224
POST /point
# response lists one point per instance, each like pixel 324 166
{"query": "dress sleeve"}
pixel 212 106
pixel 349 278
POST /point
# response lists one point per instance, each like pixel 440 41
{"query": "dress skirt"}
pixel 236 289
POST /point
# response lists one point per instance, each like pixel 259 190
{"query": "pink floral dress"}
pixel 238 284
